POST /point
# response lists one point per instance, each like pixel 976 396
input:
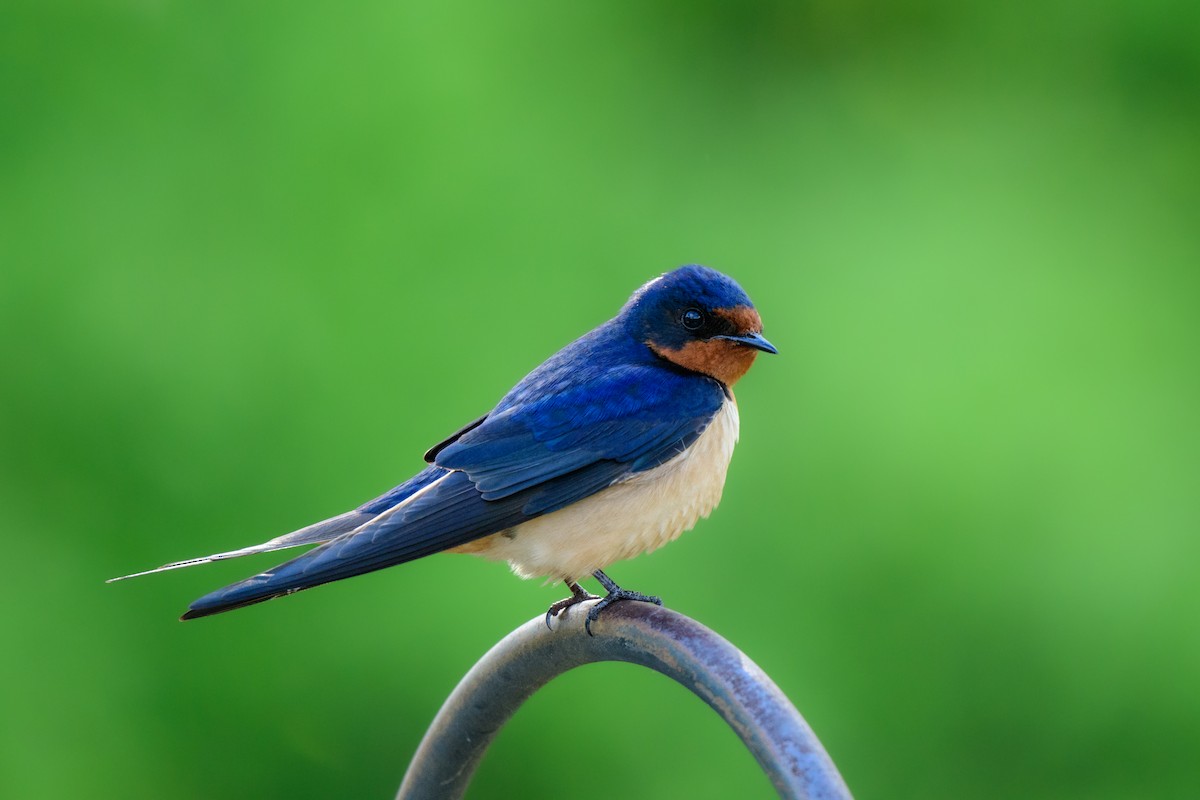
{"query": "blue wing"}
pixel 573 427
pixel 639 415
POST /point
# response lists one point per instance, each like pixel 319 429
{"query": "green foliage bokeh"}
pixel 256 257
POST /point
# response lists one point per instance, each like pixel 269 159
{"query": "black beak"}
pixel 754 340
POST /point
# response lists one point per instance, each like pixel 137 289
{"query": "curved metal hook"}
pixel 638 633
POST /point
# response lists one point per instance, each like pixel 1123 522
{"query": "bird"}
pixel 613 446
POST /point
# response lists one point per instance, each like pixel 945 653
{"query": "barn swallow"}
pixel 613 447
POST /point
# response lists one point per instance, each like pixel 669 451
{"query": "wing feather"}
pixel 576 425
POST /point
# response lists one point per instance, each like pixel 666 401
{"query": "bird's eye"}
pixel 692 319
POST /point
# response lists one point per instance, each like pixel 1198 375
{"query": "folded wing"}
pixel 538 451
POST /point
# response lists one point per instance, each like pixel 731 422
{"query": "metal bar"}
pixel 638 633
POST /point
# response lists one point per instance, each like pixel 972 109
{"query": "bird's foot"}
pixel 578 595
pixel 615 593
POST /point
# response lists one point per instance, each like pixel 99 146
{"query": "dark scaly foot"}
pixel 578 595
pixel 615 593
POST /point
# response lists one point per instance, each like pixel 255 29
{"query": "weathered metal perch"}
pixel 638 633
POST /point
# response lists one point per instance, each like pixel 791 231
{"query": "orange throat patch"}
pixel 718 358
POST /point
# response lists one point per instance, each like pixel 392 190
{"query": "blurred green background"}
pixel 256 257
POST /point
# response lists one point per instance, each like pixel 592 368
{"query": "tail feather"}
pixel 316 533
pixel 445 513
pixel 438 510
pixel 292 576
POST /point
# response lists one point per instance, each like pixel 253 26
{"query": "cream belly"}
pixel 635 516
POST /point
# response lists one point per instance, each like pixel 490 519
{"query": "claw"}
pixel 578 595
pixel 615 593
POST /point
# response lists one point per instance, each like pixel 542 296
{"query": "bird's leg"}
pixel 615 593
pixel 578 595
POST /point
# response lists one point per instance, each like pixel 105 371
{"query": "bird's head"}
pixel 700 320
